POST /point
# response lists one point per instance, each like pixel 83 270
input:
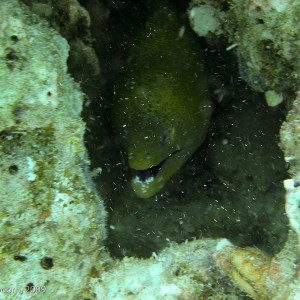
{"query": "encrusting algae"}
pixel 162 107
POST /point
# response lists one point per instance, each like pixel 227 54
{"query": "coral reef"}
pixel 73 22
pixel 52 220
pixel 264 35
pixel 291 146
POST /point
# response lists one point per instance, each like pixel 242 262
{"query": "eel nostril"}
pixel 164 138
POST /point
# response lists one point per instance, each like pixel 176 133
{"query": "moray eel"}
pixel 162 108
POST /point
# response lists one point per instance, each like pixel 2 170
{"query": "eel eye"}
pixel 164 138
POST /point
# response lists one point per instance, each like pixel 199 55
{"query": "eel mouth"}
pixel 148 175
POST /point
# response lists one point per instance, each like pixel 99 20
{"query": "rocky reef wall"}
pixel 264 36
pixel 52 217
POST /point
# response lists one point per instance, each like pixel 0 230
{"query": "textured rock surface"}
pixel 52 221
pixel 187 272
pixel 263 34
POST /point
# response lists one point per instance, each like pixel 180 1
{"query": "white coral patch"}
pixel 292 205
pixel 203 20
pixel 31 164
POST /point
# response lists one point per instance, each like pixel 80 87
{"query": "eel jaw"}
pixel 149 181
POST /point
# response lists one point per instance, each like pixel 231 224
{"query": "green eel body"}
pixel 162 108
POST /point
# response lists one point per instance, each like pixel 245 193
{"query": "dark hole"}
pixel 20 257
pixel 177 272
pixel 14 38
pixel 47 263
pixel 13 169
pixel 11 55
pixel 49 94
pixel 29 287
pixel 78 250
pixel 17 111
pixel 257 8
pixel 225 6
pixel 260 21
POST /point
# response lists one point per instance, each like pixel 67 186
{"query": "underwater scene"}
pixel 150 149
